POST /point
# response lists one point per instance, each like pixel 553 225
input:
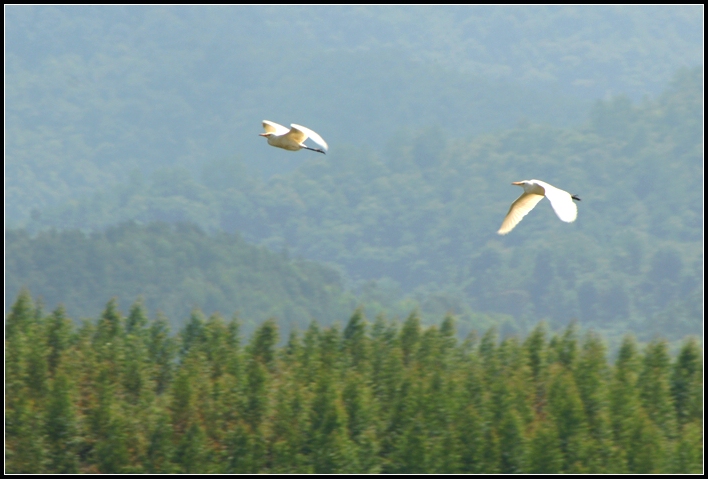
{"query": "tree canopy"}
pixel 119 395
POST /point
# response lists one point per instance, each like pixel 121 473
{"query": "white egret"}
pixel 291 139
pixel 534 191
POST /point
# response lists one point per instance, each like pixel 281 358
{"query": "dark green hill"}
pixel 174 268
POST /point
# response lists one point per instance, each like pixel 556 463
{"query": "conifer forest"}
pixel 121 394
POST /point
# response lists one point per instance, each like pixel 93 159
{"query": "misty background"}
pixel 120 117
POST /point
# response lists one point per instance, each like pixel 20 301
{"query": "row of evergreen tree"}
pixel 122 394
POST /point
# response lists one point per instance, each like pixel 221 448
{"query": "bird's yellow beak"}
pixel 518 183
pixel 262 134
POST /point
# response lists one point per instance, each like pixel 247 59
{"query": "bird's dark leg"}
pixel 315 149
pixel 575 197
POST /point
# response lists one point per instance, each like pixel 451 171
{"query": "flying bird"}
pixel 534 191
pixel 291 139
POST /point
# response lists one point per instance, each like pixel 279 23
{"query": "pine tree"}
pixel 535 350
pixel 234 362
pixel 20 317
pixel 328 448
pixel 566 347
pixel 470 437
pixel 192 336
pixel 137 369
pixel 160 449
pixel 24 445
pixel 544 455
pixel 687 457
pixel 26 384
pixel 137 320
pixel 566 409
pixel 310 354
pixel 59 329
pixel 488 355
pixel 262 346
pixel 409 337
pixel 331 357
pixel 655 388
pixel 357 404
pixel 397 420
pixel 17 325
pixel 37 369
pixel 511 444
pixel 355 340
pixel 360 409
pixel 191 454
pixel 255 394
pixel 646 447
pixel 448 334
pixel 110 325
pixel 491 452
pixel 686 383
pixel 61 428
pixel 161 353
pixel 189 390
pixel 591 375
pixel 386 366
pixel 624 405
pixel 216 345
pixel 108 428
pixel 410 454
pixel 108 340
pixel 288 444
pixel 243 454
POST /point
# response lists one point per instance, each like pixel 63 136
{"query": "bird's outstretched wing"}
pixel 273 127
pixel 519 208
pixel 300 133
pixel 562 203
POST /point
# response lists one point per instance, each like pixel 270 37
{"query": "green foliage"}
pixel 174 269
pixel 654 386
pixel 685 383
pixel 61 427
pixel 58 337
pixel 354 339
pixel 544 454
pixel 159 451
pixel 566 409
pixel 340 401
pixel 262 347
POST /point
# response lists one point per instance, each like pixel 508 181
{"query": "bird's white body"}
pixel 292 138
pixel 534 191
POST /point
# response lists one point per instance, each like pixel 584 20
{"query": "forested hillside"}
pixel 120 394
pixel 175 269
pixel 95 93
pixel 424 213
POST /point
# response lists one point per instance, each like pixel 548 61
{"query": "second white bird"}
pixel 534 191
pixel 292 139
